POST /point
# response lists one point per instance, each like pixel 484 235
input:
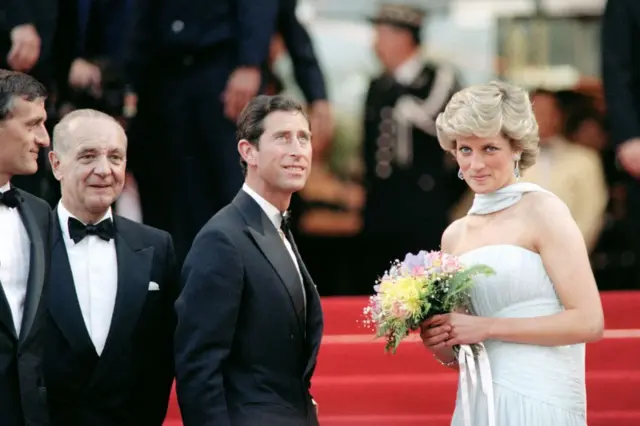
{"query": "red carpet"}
pixel 356 384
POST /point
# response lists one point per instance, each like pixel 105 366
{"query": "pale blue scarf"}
pixel 502 198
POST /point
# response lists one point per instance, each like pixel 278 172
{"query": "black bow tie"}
pixel 11 198
pixel 285 225
pixel 78 230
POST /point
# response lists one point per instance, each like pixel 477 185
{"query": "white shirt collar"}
pixel 5 187
pixel 409 70
pixel 272 212
pixel 64 215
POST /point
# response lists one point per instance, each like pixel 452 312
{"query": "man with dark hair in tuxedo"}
pixel 249 315
pixel 25 223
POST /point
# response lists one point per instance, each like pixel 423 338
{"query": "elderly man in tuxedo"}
pixel 108 353
pixel 25 223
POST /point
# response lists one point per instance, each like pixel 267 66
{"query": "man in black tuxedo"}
pixel 108 353
pixel 25 223
pixel 249 316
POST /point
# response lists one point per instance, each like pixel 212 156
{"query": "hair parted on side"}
pixel 14 85
pixel 489 110
pixel 250 124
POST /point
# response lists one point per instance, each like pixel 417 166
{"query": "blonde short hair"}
pixel 488 110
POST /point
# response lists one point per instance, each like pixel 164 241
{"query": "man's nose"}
pixel 102 166
pixel 42 138
pixel 296 147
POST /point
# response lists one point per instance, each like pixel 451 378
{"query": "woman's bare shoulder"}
pixel 546 212
pixel 543 203
pixel 452 234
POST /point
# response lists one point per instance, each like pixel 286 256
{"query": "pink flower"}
pixel 450 264
pixel 432 257
pixel 418 270
pixel 399 311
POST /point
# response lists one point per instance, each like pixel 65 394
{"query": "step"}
pixel 417 394
pixel 359 354
pixel 343 315
pixel 612 418
pixel 621 309
pixel 606 418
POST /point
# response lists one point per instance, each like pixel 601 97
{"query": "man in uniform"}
pixel 194 65
pixel 410 188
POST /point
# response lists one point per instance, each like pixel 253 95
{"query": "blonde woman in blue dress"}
pixel 541 306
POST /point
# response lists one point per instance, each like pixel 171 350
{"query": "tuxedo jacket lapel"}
pixel 314 319
pixel 268 240
pixel 134 271
pixel 63 299
pixel 35 281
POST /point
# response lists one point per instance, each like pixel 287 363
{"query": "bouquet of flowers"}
pixel 423 285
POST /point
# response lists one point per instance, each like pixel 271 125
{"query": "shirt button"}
pixel 177 26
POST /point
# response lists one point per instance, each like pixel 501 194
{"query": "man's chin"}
pixel 99 205
pixel 294 186
pixel 27 170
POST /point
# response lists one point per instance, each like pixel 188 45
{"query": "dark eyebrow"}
pixel 36 120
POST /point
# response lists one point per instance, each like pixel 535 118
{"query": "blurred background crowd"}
pixel 374 77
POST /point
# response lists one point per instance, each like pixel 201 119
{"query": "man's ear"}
pixel 248 152
pixel 54 160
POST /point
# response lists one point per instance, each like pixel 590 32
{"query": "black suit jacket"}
pixel 239 29
pixel 23 397
pixel 129 384
pixel 621 68
pixel 243 356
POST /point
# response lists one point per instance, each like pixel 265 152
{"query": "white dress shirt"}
pixel 15 260
pixel 275 217
pixel 94 267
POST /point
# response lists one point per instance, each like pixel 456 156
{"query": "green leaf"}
pixel 461 283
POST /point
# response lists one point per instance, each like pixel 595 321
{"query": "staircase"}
pixel 357 384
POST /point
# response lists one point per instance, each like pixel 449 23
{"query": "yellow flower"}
pixel 407 291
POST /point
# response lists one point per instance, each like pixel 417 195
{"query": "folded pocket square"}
pixel 153 286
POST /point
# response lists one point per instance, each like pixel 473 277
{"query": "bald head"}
pixel 83 124
pixel 89 159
